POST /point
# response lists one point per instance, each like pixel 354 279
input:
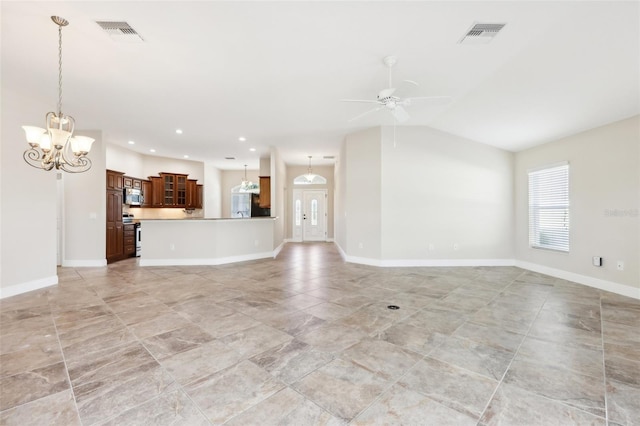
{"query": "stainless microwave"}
pixel 133 197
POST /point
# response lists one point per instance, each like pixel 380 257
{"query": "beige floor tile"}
pixel 58 409
pixel 286 407
pixel 400 406
pixel 457 388
pixel 307 339
pixel 229 392
pixel 512 405
pixel 342 388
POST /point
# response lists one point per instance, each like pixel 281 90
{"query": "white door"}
pixel 314 217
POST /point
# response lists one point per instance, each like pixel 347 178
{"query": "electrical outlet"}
pixel 456 246
pixel 596 261
pixel 360 245
pixel 432 247
pixel 256 243
pixel 172 246
pixel 620 265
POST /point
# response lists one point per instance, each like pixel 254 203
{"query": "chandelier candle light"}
pixel 55 146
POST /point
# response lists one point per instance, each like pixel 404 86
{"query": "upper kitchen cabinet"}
pixel 194 199
pixel 115 180
pixel 147 194
pixel 156 195
pixel 174 190
pixel 265 192
pixel 131 182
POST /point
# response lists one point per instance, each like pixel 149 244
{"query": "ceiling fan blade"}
pixel 406 88
pixel 365 113
pixel 368 101
pixel 400 114
pixel 385 93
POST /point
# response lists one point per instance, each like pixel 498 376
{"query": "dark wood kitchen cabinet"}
pixel 129 240
pixel 115 180
pixel 265 192
pixel 192 194
pixel 131 182
pixel 199 196
pixel 157 191
pixel 147 193
pixel 174 190
pixel 114 226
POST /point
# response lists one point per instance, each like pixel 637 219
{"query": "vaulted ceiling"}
pixel 274 72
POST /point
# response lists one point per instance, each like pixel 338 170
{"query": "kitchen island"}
pixel 198 241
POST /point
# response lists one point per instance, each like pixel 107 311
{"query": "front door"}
pixel 310 215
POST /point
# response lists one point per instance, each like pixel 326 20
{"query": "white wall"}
pixel 325 171
pixel 340 199
pixel 142 166
pixel 84 209
pixel 604 176
pixel 126 161
pixel 212 191
pixel 278 196
pixel 439 190
pixel 362 208
pixel 28 208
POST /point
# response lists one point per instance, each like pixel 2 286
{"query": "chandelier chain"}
pixel 60 70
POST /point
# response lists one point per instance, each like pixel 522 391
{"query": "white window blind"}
pixel 549 208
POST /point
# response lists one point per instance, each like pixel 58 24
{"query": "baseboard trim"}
pixel 84 263
pixel 205 261
pixel 598 283
pixel 278 249
pixel 17 289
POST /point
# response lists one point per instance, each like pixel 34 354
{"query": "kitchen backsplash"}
pixel 156 213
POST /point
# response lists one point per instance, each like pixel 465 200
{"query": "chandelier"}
pixel 55 146
pixel 246 184
pixel 309 178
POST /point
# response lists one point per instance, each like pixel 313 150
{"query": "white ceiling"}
pixel 274 71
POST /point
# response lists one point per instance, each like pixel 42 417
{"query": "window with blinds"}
pixel 549 208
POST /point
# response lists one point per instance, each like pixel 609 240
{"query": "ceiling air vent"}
pixel 329 157
pixel 120 31
pixel 481 33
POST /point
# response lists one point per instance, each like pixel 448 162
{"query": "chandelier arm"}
pixel 33 158
pixel 80 165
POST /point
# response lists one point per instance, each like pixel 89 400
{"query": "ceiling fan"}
pixel 386 98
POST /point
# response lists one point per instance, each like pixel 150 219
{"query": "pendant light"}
pixel 55 146
pixel 246 184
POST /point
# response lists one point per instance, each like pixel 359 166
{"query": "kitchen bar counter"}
pixel 211 218
pixel 204 241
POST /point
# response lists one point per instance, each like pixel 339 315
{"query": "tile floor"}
pixel 306 339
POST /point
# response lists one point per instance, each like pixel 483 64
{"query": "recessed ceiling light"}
pixel 242 139
pixel 179 131
pixel 152 150
pixel 185 156
pixel 229 158
pixel 252 149
pixel 131 143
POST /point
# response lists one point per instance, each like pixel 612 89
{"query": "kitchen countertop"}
pixel 209 218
